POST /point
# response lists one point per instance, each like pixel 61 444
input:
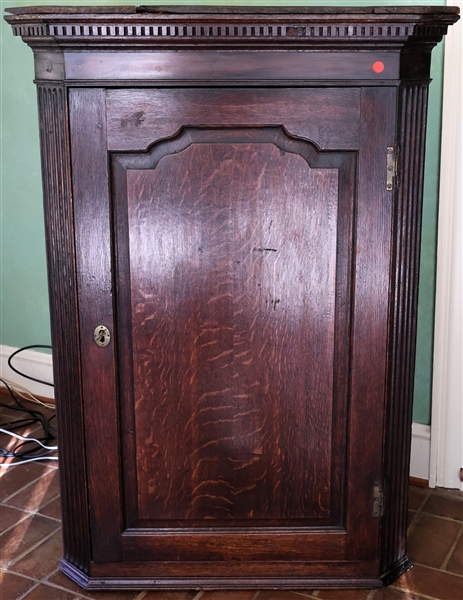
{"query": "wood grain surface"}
pixel 229 66
pixel 370 329
pixel 94 280
pixel 329 118
pixel 231 314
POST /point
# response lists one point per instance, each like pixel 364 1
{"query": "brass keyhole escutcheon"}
pixel 102 336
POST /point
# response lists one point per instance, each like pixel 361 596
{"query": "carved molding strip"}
pixel 277 135
pixel 68 26
pixel 227 30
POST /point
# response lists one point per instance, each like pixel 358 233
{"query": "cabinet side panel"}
pixel 59 226
pixel 402 338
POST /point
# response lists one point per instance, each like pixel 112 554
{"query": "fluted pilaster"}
pixel 56 175
pixel 403 318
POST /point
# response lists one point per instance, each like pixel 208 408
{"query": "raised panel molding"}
pixel 248 251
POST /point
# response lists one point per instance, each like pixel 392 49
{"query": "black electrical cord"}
pixel 23 374
pixel 37 413
pixel 28 449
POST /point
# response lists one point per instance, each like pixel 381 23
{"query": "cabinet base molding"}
pixel 74 573
pixel 399 569
pixel 213 583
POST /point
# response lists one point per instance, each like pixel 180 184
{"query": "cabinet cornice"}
pixel 234 27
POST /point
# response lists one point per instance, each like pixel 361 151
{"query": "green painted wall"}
pixel 24 315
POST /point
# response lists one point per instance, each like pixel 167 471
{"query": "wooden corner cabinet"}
pixel 232 205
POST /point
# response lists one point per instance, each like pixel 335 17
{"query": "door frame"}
pixel 446 455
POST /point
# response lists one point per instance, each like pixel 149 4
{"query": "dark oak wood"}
pixel 369 332
pixel 402 334
pixel 62 285
pixel 170 576
pixel 136 118
pixel 95 283
pixel 251 311
pixel 217 195
pixel 269 569
pixel 229 66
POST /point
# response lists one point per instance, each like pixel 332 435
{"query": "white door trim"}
pixel 446 455
pixel 419 459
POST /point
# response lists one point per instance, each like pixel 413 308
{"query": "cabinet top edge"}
pixel 381 13
pixel 222 27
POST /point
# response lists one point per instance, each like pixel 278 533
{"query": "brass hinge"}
pixel 391 168
pixel 377 500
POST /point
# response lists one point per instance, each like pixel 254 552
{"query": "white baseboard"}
pixel 35 364
pixel 421 446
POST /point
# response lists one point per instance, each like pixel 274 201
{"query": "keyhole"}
pixel 102 336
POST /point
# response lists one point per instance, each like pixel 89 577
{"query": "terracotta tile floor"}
pixel 30 548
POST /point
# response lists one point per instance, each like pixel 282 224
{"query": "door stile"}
pixel 90 178
pixel 369 332
pixel 121 275
pixel 348 175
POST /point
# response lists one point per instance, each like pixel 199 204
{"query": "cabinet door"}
pixel 236 244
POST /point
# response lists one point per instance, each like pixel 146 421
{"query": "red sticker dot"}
pixel 378 66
